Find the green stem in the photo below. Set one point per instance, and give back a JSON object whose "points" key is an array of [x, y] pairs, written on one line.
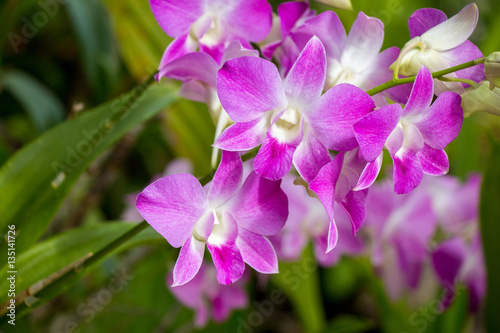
{"points": [[396, 82], [457, 79]]}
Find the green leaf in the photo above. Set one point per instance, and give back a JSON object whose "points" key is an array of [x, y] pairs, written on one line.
{"points": [[99, 50], [350, 324], [43, 106], [35, 181], [142, 41], [191, 132], [490, 229], [300, 282], [46, 260]]}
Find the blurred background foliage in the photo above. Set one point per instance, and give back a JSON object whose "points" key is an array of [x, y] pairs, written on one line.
{"points": [[80, 54]]}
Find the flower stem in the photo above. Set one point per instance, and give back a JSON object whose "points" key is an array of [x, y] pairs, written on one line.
{"points": [[396, 82]]}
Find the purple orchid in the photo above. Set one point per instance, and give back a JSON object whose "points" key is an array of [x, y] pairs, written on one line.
{"points": [[352, 58], [307, 219], [457, 261], [414, 135], [291, 119], [401, 227], [231, 218], [207, 297], [439, 43], [210, 25], [345, 181]]}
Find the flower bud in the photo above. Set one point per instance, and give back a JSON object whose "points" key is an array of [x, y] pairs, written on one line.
{"points": [[481, 99], [492, 69], [340, 4]]}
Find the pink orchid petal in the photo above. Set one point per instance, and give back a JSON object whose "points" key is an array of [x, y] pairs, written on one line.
{"points": [[229, 298], [179, 47], [442, 122], [310, 156], [248, 87], [333, 236], [192, 66], [289, 13], [465, 52], [274, 159], [407, 172], [250, 19], [354, 205], [395, 140], [421, 93], [172, 205], [176, 17], [236, 50], [325, 182], [243, 136], [227, 179], [257, 251], [189, 261], [372, 130], [448, 258], [424, 19], [369, 173], [434, 161], [228, 262], [304, 83], [333, 115], [363, 42], [261, 206]]}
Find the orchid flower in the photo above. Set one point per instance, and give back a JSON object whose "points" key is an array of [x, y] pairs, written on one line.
{"points": [[344, 181], [401, 227], [352, 58], [290, 118], [414, 135], [439, 43], [231, 218], [210, 25], [456, 261], [207, 297], [307, 219]]}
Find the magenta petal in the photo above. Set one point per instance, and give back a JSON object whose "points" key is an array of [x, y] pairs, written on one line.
{"points": [[442, 122], [354, 205], [189, 261], [326, 180], [333, 236], [261, 206], [289, 13], [179, 47], [248, 87], [172, 205], [332, 117], [227, 179], [192, 66], [373, 130], [243, 136], [257, 251], [250, 19], [407, 172], [447, 260], [465, 52], [369, 173], [310, 156], [175, 17], [424, 19], [228, 262], [434, 161], [421, 94], [274, 159], [304, 83]]}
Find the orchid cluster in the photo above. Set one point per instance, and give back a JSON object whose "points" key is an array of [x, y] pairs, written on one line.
{"points": [[318, 111]]}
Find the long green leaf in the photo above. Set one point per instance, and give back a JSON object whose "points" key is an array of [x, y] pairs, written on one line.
{"points": [[47, 260], [43, 106], [490, 229], [35, 181]]}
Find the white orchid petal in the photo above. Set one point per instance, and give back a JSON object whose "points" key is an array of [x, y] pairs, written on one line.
{"points": [[454, 31]]}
